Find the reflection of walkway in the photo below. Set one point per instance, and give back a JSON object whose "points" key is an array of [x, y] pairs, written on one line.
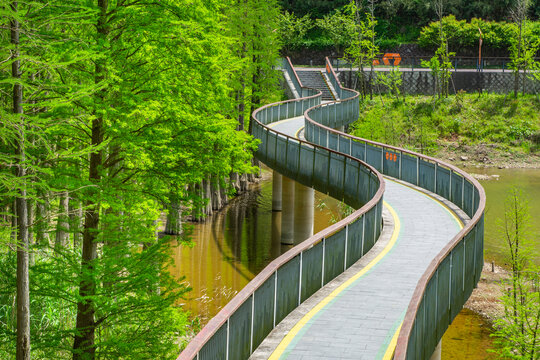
{"points": [[360, 321]]}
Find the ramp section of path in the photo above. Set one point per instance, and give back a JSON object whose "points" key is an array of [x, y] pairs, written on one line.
{"points": [[361, 320]]}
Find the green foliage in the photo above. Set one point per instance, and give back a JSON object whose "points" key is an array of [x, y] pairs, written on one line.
{"points": [[440, 66], [465, 34], [339, 26], [391, 80], [125, 108], [421, 123], [292, 29], [517, 333]]}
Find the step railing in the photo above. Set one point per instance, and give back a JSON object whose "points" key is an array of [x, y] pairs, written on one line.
{"points": [[454, 272], [238, 329]]}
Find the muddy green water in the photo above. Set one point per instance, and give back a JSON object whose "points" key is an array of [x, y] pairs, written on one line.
{"points": [[233, 245], [528, 180]]}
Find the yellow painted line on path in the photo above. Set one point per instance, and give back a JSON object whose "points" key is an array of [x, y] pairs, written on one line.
{"points": [[298, 132], [283, 121], [389, 354], [443, 205], [299, 325]]}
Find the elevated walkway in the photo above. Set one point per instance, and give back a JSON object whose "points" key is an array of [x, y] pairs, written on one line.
{"points": [[360, 320], [355, 290], [316, 79]]}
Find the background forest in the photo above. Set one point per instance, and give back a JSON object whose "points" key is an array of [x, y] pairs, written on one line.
{"points": [[403, 21], [114, 113], [119, 119]]}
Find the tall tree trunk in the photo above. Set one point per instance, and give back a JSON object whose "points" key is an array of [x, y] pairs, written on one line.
{"points": [[216, 195], [516, 72], [62, 224], [13, 235], [23, 287], [173, 226], [31, 240], [84, 343], [42, 222], [75, 221]]}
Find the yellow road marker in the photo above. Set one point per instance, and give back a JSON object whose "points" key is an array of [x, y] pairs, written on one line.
{"points": [[306, 318], [298, 132], [389, 354], [443, 205]]}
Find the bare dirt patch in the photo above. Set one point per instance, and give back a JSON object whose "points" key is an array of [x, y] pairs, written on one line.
{"points": [[485, 299]]}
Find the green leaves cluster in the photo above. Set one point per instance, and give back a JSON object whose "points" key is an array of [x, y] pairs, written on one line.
{"points": [[292, 29], [127, 106], [462, 33], [517, 333]]}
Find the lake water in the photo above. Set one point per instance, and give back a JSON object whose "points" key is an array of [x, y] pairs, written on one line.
{"points": [[232, 246]]}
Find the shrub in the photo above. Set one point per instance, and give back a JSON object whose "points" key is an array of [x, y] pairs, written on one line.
{"points": [[465, 34]]}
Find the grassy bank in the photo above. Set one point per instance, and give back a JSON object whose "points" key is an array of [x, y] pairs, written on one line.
{"points": [[491, 129]]}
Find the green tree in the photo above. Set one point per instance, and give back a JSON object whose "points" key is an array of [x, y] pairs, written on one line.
{"points": [[518, 332], [292, 29], [523, 45], [126, 104], [339, 26], [441, 64], [362, 50]]}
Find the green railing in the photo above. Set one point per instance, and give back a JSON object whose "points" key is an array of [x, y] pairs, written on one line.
{"points": [[286, 282], [452, 275], [337, 163]]}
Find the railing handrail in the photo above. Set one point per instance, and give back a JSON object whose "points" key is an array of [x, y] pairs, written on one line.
{"points": [[224, 314], [408, 322]]}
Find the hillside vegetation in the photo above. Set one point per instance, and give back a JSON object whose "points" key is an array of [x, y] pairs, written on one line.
{"points": [[479, 126]]}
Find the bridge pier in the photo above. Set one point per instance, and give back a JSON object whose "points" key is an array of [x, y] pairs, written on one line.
{"points": [[437, 353], [287, 212], [276, 234], [276, 191], [304, 198]]}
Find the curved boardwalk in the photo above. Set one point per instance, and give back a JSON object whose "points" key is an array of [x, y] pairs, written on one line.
{"points": [[360, 321], [317, 301]]}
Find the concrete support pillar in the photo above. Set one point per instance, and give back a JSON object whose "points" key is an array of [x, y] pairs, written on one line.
{"points": [[276, 234], [287, 214], [437, 353], [276, 191], [304, 198]]}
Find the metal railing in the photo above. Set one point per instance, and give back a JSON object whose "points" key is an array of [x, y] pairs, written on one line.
{"points": [[293, 277], [458, 63], [452, 275], [336, 163]]}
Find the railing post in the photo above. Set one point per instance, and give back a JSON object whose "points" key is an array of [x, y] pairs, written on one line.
{"points": [[275, 298], [417, 171], [323, 256], [300, 280], [227, 349], [450, 284], [435, 185], [450, 196], [252, 321], [346, 243], [382, 159], [400, 164], [464, 261], [462, 192], [363, 233], [328, 173]]}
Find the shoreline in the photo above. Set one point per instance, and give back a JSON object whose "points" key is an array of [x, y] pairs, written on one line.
{"points": [[485, 299], [486, 156]]}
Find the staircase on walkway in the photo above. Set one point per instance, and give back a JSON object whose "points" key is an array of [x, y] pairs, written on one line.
{"points": [[315, 79]]}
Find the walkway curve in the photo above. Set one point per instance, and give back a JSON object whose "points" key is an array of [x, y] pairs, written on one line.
{"points": [[334, 162]]}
